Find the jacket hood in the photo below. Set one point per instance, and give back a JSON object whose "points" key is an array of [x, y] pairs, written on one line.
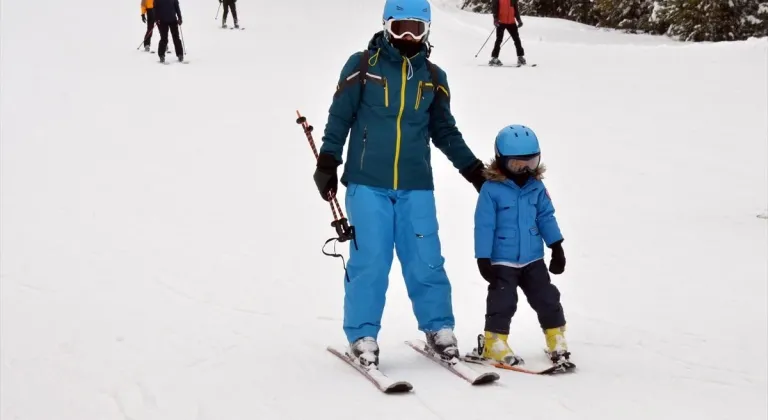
{"points": [[381, 46], [493, 173]]}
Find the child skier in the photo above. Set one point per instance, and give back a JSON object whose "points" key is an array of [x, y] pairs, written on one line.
{"points": [[514, 217]]}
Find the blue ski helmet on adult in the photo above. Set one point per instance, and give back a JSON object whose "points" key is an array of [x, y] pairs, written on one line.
{"points": [[516, 140], [407, 9]]}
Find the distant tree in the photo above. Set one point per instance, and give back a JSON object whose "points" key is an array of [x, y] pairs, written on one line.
{"points": [[704, 20], [689, 20], [630, 15]]}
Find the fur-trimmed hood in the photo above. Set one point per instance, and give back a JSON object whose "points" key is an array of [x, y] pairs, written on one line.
{"points": [[493, 173]]}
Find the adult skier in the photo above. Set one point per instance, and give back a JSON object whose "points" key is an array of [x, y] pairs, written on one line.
{"points": [[168, 15], [148, 17], [506, 17], [388, 175], [227, 5]]}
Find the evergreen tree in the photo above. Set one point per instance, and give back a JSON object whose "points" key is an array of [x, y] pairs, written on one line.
{"points": [[631, 15], [704, 20]]}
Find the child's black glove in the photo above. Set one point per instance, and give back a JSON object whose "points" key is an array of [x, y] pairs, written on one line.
{"points": [[484, 265], [557, 264]]}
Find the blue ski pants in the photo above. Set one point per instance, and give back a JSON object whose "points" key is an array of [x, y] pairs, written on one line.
{"points": [[406, 221]]}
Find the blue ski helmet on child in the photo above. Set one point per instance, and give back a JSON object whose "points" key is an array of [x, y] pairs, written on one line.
{"points": [[407, 9], [517, 150], [403, 18], [516, 140]]}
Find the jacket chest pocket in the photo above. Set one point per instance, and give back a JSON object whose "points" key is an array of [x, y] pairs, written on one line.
{"points": [[377, 90], [425, 93], [506, 215]]}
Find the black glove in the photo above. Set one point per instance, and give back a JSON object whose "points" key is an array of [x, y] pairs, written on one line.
{"points": [[486, 270], [325, 176], [519, 23], [496, 23], [557, 264], [144, 18], [179, 21], [474, 174], [219, 1]]}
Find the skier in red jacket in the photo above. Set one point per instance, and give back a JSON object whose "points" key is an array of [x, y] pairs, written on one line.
{"points": [[506, 16]]}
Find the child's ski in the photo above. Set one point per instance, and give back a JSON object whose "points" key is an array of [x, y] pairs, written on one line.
{"points": [[563, 367], [384, 383], [456, 366]]}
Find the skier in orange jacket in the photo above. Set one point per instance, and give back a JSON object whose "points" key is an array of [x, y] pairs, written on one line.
{"points": [[506, 17], [148, 17]]}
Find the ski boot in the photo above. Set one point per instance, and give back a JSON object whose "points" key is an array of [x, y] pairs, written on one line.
{"points": [[162, 59], [146, 48], [365, 351], [495, 62], [493, 346], [223, 24], [557, 348], [521, 61], [180, 57], [443, 343], [237, 26]]}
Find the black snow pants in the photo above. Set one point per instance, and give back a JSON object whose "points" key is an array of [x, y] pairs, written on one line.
{"points": [[164, 27], [150, 27], [227, 5], [542, 295], [514, 33]]}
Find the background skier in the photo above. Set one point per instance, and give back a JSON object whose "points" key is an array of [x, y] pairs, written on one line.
{"points": [[148, 17], [168, 15], [390, 199], [505, 15], [227, 5]]}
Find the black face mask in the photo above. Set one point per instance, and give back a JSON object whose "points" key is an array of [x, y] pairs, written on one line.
{"points": [[406, 48], [519, 179]]}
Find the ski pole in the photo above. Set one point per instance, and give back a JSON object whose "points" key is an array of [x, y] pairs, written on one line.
{"points": [[486, 41], [217, 12], [340, 223], [183, 47], [146, 36], [506, 41]]}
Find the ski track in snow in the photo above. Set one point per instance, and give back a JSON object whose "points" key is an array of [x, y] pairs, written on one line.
{"points": [[161, 234]]}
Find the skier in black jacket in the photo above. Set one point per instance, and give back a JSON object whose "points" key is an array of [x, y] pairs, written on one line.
{"points": [[168, 15], [229, 4]]}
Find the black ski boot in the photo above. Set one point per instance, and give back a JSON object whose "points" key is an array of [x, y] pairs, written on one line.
{"points": [[162, 59], [443, 343], [237, 26], [521, 61], [180, 57], [495, 62], [366, 351]]}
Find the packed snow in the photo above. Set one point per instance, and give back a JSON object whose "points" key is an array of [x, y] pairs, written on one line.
{"points": [[161, 233]]}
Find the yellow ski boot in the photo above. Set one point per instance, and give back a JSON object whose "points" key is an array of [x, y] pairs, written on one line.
{"points": [[557, 347], [495, 347]]}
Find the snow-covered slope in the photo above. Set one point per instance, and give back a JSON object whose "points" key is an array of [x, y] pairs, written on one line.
{"points": [[161, 233]]}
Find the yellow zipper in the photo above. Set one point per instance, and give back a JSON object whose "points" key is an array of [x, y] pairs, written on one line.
{"points": [[386, 93], [399, 119], [418, 96]]}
